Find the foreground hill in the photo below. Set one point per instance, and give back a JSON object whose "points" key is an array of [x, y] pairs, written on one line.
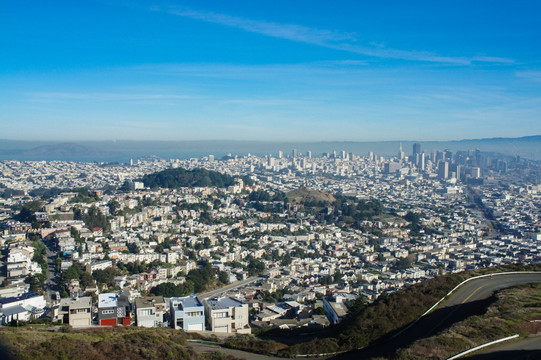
{"points": [[103, 343], [373, 325]]}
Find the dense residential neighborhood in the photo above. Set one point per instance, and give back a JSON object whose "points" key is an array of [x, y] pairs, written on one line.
{"points": [[284, 242]]}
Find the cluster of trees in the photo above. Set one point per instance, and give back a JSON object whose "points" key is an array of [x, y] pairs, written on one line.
{"points": [[254, 267], [7, 193], [137, 267], [201, 278], [84, 195], [197, 280], [415, 224], [169, 289], [27, 213], [94, 218], [40, 256], [74, 272], [106, 277], [350, 210], [265, 196], [47, 193], [273, 297], [179, 177]]}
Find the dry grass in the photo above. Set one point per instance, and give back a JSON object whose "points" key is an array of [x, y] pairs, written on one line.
{"points": [[107, 344]]}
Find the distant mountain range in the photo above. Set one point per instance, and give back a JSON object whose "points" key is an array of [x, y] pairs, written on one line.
{"points": [[122, 150]]}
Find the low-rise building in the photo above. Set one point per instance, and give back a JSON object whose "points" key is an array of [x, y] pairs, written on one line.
{"points": [[25, 307], [336, 307], [227, 314], [150, 311], [113, 310], [187, 313], [76, 312]]}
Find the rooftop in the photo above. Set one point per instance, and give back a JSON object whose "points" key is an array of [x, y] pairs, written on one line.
{"points": [[223, 303], [187, 302], [149, 301], [24, 296], [107, 300]]}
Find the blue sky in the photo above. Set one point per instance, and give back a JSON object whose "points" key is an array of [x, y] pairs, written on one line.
{"points": [[269, 70]]}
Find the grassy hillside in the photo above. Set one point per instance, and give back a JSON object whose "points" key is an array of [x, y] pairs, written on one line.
{"points": [[389, 313], [309, 196], [103, 343], [510, 314]]}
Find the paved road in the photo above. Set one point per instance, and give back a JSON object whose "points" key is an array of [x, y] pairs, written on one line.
{"points": [[470, 299], [529, 348], [231, 287], [50, 284], [209, 348], [234, 286]]}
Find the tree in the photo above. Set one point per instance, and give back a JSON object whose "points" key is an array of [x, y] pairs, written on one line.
{"points": [[286, 260], [114, 207], [255, 266], [35, 281], [170, 289], [106, 277], [403, 264], [223, 277], [87, 280], [75, 234]]}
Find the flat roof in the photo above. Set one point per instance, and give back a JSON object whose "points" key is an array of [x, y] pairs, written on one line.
{"points": [[24, 296], [107, 300], [188, 301], [148, 301], [223, 303]]}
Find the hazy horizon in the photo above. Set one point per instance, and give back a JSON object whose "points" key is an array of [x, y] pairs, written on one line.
{"points": [[123, 150]]}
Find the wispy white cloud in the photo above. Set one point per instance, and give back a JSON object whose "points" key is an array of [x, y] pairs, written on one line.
{"points": [[62, 96], [530, 75], [265, 102], [325, 38]]}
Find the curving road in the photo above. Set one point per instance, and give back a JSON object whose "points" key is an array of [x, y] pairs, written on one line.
{"points": [[471, 298], [529, 348]]}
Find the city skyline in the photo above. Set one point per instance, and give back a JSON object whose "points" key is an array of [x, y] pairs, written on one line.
{"points": [[275, 71]]}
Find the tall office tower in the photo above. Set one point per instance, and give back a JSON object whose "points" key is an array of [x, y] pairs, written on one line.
{"points": [[443, 170], [334, 154], [344, 154], [280, 154], [309, 154], [400, 153], [422, 164], [371, 156], [351, 156], [416, 149], [458, 172], [294, 153]]}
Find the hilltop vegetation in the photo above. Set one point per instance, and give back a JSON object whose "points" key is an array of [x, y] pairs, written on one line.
{"points": [[179, 177], [310, 197]]}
